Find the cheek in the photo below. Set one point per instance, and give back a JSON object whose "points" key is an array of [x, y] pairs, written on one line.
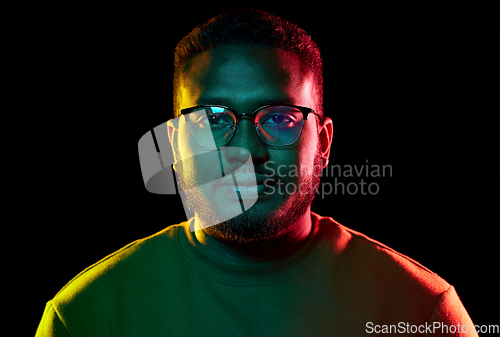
{"points": [[295, 164], [297, 161], [197, 164], [185, 149], [308, 146]]}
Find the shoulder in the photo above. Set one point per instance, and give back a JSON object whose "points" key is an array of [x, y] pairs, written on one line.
{"points": [[122, 266], [378, 263]]}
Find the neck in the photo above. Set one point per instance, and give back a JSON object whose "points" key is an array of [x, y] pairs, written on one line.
{"points": [[259, 251]]}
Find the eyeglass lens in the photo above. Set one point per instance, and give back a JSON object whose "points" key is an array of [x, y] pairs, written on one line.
{"points": [[275, 125]]}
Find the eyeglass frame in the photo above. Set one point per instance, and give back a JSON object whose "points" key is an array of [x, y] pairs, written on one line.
{"points": [[305, 113]]}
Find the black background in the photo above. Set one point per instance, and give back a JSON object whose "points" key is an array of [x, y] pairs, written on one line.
{"points": [[413, 86]]}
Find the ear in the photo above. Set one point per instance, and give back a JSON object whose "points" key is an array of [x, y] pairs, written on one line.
{"points": [[325, 138], [173, 135]]}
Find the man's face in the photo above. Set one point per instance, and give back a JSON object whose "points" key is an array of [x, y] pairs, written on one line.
{"points": [[245, 78]]}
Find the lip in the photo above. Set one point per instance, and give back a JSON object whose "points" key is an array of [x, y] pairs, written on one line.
{"points": [[248, 185]]}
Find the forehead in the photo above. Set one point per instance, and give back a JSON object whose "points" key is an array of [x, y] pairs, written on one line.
{"points": [[245, 76]]}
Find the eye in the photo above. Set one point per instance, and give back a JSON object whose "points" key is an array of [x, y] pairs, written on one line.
{"points": [[214, 119], [217, 120], [279, 120]]}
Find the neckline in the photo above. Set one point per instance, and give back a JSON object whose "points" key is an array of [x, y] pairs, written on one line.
{"points": [[258, 273]]}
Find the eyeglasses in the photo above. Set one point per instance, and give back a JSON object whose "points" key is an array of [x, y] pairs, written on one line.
{"points": [[276, 125]]}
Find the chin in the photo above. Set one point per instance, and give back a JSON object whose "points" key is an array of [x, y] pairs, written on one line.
{"points": [[255, 226], [247, 227]]}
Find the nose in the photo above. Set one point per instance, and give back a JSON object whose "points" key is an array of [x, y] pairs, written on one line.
{"points": [[246, 143]]}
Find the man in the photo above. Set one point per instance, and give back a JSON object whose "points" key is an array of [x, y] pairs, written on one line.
{"points": [[249, 139]]}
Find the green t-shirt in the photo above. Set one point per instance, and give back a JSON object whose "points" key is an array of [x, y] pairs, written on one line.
{"points": [[341, 283]]}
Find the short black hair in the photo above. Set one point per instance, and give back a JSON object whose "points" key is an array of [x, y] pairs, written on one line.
{"points": [[249, 27]]}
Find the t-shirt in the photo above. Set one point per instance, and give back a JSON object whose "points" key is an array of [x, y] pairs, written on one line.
{"points": [[340, 283]]}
